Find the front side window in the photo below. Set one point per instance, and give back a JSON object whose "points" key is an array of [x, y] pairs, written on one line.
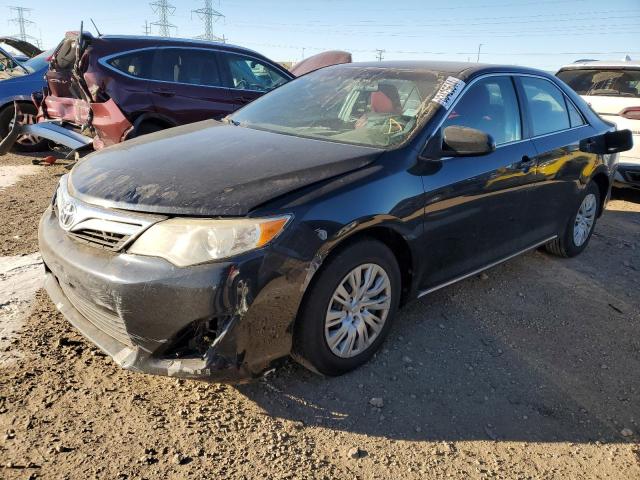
{"points": [[249, 74], [602, 82], [188, 66], [370, 106], [546, 105], [490, 105], [136, 64]]}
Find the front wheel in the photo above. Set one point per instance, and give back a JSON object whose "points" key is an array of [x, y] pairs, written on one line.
{"points": [[579, 229], [348, 309]]}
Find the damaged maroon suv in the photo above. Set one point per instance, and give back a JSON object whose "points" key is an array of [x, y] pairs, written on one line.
{"points": [[118, 87], [104, 90]]}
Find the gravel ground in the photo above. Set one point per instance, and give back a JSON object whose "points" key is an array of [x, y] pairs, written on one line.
{"points": [[531, 370]]}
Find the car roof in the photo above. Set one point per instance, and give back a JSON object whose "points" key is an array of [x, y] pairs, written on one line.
{"points": [[178, 41], [603, 64], [461, 70]]}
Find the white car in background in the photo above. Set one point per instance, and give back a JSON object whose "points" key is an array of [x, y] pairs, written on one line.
{"points": [[612, 89]]}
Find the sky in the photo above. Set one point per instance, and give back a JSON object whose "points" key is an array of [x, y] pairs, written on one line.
{"points": [[543, 34]]}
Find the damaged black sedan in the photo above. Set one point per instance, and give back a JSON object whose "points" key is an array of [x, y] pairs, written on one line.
{"points": [[299, 225]]}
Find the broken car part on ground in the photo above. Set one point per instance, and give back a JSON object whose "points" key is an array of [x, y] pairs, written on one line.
{"points": [[280, 234]]}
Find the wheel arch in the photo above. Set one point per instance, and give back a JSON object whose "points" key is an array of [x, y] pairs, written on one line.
{"points": [[602, 181], [392, 239]]}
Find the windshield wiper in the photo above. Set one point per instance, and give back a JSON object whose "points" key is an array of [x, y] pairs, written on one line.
{"points": [[229, 121]]}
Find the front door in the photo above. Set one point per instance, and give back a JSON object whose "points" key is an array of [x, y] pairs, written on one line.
{"points": [[249, 78], [477, 208]]}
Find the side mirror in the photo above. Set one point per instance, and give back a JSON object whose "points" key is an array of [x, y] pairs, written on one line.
{"points": [[460, 141], [610, 142]]}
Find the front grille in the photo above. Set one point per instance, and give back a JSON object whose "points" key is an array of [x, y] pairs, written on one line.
{"points": [[102, 318], [109, 240]]}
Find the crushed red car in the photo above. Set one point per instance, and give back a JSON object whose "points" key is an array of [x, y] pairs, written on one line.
{"points": [[106, 89]]}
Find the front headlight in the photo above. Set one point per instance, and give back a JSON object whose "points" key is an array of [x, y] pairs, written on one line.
{"points": [[190, 241]]}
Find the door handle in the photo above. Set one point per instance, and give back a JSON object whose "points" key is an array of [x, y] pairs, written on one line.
{"points": [[164, 93], [526, 162]]}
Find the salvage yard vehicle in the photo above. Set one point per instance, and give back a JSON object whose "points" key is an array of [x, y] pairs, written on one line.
{"points": [[20, 76], [612, 89], [107, 89], [300, 224]]}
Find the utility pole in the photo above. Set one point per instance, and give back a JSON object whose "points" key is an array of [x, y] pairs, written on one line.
{"points": [[147, 28], [303, 49], [479, 47], [21, 20], [380, 54], [208, 15], [163, 8]]}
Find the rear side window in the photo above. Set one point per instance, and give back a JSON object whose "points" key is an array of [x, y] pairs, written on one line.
{"points": [[136, 64], [574, 116], [546, 105], [192, 67], [490, 105], [608, 83], [250, 74]]}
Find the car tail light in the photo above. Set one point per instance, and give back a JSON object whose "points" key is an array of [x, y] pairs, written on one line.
{"points": [[631, 113]]}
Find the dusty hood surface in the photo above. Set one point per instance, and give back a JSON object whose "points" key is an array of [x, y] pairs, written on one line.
{"points": [[209, 168]]}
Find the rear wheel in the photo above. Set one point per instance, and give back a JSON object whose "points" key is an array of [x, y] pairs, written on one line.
{"points": [[24, 143], [348, 309], [147, 127], [577, 233]]}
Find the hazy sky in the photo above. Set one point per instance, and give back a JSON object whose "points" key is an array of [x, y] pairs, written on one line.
{"points": [[543, 34]]}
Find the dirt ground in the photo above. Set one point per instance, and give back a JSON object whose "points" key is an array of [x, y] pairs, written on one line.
{"points": [[531, 370]]}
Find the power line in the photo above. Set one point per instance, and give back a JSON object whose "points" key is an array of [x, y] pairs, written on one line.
{"points": [[22, 22], [209, 15], [163, 8]]}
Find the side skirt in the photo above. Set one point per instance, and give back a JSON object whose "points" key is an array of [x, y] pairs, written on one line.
{"points": [[481, 269]]}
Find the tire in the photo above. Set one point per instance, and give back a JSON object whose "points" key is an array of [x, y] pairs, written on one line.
{"points": [[569, 243], [146, 128], [23, 144], [311, 336]]}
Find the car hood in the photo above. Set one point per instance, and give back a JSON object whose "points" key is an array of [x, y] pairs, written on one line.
{"points": [[209, 169]]}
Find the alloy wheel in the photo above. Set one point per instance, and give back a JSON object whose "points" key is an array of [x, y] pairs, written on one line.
{"points": [[28, 139], [358, 310], [584, 219]]}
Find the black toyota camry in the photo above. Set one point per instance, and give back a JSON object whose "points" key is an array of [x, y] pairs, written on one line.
{"points": [[303, 222]]}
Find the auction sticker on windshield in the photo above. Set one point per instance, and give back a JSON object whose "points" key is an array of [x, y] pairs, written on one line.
{"points": [[449, 91]]}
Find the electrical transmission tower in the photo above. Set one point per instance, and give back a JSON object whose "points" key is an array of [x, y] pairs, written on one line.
{"points": [[209, 16], [163, 8], [147, 28], [380, 54], [21, 20]]}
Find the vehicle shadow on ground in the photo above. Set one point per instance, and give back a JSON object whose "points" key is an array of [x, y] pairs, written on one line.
{"points": [[538, 350]]}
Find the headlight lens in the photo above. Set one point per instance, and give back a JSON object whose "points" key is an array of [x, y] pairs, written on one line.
{"points": [[190, 241]]}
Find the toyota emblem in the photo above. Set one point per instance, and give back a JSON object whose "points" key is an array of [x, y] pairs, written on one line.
{"points": [[67, 215]]}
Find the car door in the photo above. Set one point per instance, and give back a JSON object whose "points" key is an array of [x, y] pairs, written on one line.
{"points": [[477, 207], [130, 88], [186, 85], [249, 78], [557, 127]]}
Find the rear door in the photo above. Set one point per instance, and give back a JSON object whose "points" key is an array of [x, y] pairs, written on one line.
{"points": [[477, 209], [249, 78], [557, 126], [186, 85]]}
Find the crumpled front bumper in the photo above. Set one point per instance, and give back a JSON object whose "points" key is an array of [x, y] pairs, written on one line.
{"points": [[137, 308]]}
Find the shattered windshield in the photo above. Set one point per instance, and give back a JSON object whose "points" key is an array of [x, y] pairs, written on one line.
{"points": [[371, 106]]}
